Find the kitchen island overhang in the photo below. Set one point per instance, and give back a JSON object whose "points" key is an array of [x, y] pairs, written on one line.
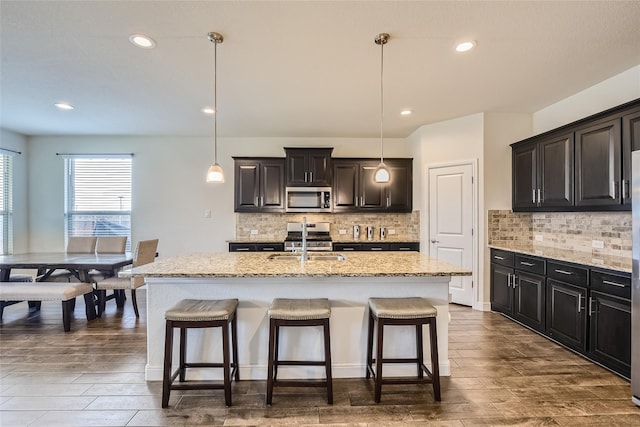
{"points": [[255, 281]]}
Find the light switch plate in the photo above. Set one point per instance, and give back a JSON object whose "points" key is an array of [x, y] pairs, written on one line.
{"points": [[391, 231], [207, 213], [538, 237], [254, 232], [342, 231], [598, 244]]}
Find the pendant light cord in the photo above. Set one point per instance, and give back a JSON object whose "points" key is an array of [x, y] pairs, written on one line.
{"points": [[215, 102], [381, 99]]}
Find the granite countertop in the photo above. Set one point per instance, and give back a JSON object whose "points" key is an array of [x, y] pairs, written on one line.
{"points": [[592, 259], [392, 239], [257, 264]]}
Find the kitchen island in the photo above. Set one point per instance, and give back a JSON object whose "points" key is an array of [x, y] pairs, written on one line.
{"points": [[256, 279]]}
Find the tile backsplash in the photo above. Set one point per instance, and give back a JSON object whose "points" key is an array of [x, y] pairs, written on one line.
{"points": [[565, 230], [273, 226]]}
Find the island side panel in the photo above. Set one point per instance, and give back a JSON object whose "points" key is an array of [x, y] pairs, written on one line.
{"points": [[349, 320]]}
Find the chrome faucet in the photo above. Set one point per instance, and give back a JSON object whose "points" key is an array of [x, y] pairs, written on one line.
{"points": [[303, 258]]}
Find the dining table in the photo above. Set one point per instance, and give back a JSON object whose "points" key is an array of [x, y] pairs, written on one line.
{"points": [[78, 264]]}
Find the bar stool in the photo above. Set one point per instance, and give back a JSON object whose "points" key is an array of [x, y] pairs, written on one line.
{"points": [[190, 313], [403, 311], [298, 312]]}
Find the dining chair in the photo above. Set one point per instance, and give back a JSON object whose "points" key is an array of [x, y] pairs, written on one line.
{"points": [[75, 245], [145, 253], [108, 245], [111, 244]]}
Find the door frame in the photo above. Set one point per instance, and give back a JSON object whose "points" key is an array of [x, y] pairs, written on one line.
{"points": [[424, 218]]}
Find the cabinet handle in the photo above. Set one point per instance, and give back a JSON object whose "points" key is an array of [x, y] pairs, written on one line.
{"points": [[261, 200], [539, 196], [404, 249], [533, 196], [305, 177], [347, 249], [388, 201], [268, 249], [590, 306], [607, 282], [498, 257], [579, 303], [625, 189], [376, 249], [509, 280], [242, 249], [568, 273], [515, 285], [528, 264], [256, 201], [361, 201], [310, 176], [614, 189]]}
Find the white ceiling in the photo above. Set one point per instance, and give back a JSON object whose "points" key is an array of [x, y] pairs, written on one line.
{"points": [[298, 68]]}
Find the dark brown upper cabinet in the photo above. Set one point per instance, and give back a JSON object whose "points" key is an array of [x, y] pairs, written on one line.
{"points": [[583, 166], [543, 173], [259, 184], [598, 164], [308, 167], [354, 189]]}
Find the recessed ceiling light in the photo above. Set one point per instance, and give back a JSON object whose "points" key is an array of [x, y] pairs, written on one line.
{"points": [[406, 112], [64, 106], [466, 46], [142, 41], [208, 110]]}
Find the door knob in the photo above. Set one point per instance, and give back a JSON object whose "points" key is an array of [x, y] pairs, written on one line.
{"points": [[435, 241]]}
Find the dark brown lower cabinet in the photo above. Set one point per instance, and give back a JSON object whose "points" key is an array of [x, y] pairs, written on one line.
{"points": [[610, 331], [586, 309], [566, 314]]}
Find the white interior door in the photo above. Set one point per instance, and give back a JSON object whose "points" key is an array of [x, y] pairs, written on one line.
{"points": [[451, 224]]}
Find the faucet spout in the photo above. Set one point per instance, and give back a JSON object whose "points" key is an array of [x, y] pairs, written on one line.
{"points": [[303, 258]]}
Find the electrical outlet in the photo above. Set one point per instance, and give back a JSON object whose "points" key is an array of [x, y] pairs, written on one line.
{"points": [[207, 213], [342, 231], [538, 237], [391, 231], [598, 244], [254, 232]]}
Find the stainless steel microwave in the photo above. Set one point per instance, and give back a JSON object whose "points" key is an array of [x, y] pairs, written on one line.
{"points": [[308, 199]]}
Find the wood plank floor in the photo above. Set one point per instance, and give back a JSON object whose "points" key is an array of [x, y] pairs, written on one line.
{"points": [[502, 374]]}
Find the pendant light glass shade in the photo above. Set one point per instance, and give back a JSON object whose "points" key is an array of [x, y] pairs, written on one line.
{"points": [[215, 173], [382, 174]]}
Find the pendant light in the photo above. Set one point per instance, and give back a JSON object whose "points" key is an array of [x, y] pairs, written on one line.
{"points": [[382, 174], [215, 173]]}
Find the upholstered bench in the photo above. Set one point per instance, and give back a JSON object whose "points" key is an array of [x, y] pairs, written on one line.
{"points": [[14, 292]]}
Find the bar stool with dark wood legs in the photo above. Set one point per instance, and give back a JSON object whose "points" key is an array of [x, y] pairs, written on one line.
{"points": [[296, 313], [402, 311], [190, 313]]}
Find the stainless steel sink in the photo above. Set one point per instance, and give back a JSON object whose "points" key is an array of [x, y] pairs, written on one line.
{"points": [[312, 257]]}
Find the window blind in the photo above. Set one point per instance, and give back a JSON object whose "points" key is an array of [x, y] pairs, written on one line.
{"points": [[98, 196], [6, 204]]}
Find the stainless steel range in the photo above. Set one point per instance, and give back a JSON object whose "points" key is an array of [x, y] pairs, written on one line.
{"points": [[318, 237]]}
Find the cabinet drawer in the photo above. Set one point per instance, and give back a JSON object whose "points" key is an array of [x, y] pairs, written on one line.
{"points": [[568, 273], [611, 283], [347, 247], [531, 264], [375, 247], [502, 257], [270, 247], [410, 246], [242, 247]]}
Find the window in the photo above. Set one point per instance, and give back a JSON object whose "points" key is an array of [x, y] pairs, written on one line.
{"points": [[98, 196], [6, 204]]}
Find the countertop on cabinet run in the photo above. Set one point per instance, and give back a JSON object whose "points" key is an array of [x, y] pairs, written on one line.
{"points": [[618, 263], [374, 240], [257, 264], [257, 240]]}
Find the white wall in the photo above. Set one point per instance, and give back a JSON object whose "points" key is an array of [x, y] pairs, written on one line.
{"points": [[17, 142], [170, 193], [609, 93]]}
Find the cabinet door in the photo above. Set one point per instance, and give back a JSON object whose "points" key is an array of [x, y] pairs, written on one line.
{"points": [[555, 177], [501, 290], [372, 194], [345, 185], [566, 314], [400, 189], [272, 185], [529, 298], [247, 189], [630, 142], [610, 331], [598, 161], [320, 167], [524, 188], [297, 168]]}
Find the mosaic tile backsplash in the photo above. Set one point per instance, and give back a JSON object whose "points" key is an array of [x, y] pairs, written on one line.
{"points": [[565, 230], [272, 227]]}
